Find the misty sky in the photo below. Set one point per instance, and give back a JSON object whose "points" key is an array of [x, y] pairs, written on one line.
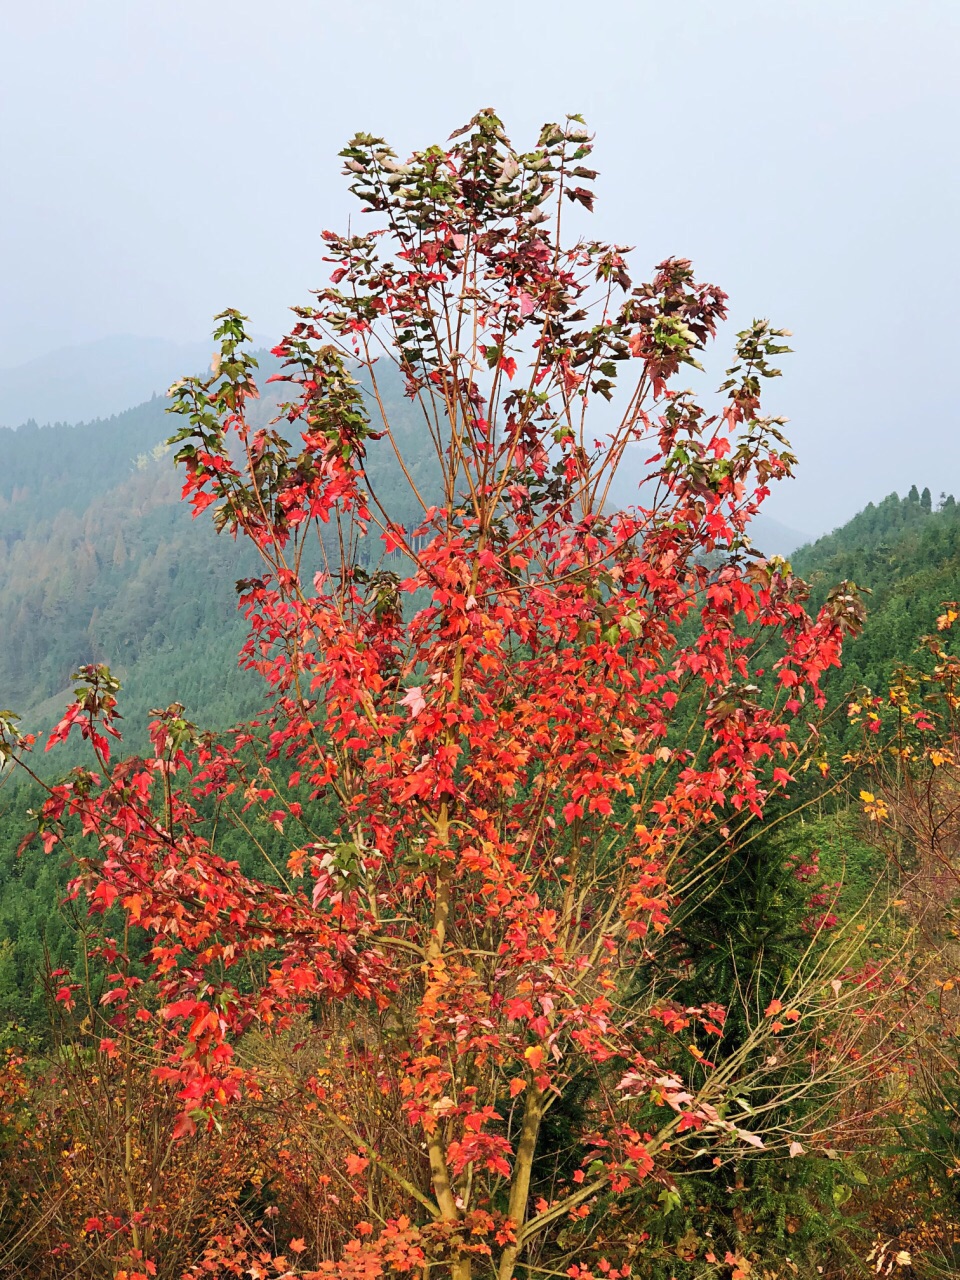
{"points": [[162, 161]]}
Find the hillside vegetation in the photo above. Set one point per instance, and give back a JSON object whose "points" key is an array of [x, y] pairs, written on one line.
{"points": [[100, 562], [906, 553]]}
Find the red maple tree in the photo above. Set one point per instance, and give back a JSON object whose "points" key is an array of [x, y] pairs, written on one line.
{"points": [[499, 761]]}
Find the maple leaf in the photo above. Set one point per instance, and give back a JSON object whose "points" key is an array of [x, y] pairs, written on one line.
{"points": [[184, 1126], [393, 538], [180, 1009], [414, 700]]}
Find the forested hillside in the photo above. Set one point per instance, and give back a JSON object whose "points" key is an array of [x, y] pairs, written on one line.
{"points": [[906, 553], [101, 562]]}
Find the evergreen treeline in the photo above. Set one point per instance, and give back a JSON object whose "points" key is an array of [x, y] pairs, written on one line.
{"points": [[906, 552]]}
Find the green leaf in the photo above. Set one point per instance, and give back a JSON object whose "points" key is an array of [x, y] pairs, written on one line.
{"points": [[670, 1199]]}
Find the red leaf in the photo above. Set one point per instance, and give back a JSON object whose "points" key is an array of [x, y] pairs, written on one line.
{"points": [[185, 1126]]}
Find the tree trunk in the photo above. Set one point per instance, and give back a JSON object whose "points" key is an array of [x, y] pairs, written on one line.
{"points": [[522, 1171]]}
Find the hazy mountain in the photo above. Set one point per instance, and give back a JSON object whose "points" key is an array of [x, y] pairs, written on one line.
{"points": [[101, 562], [773, 538], [95, 379]]}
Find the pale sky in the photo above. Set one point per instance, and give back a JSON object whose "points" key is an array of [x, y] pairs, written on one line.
{"points": [[161, 161]]}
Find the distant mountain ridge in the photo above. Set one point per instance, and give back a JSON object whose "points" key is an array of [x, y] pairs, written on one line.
{"points": [[773, 538], [95, 379]]}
